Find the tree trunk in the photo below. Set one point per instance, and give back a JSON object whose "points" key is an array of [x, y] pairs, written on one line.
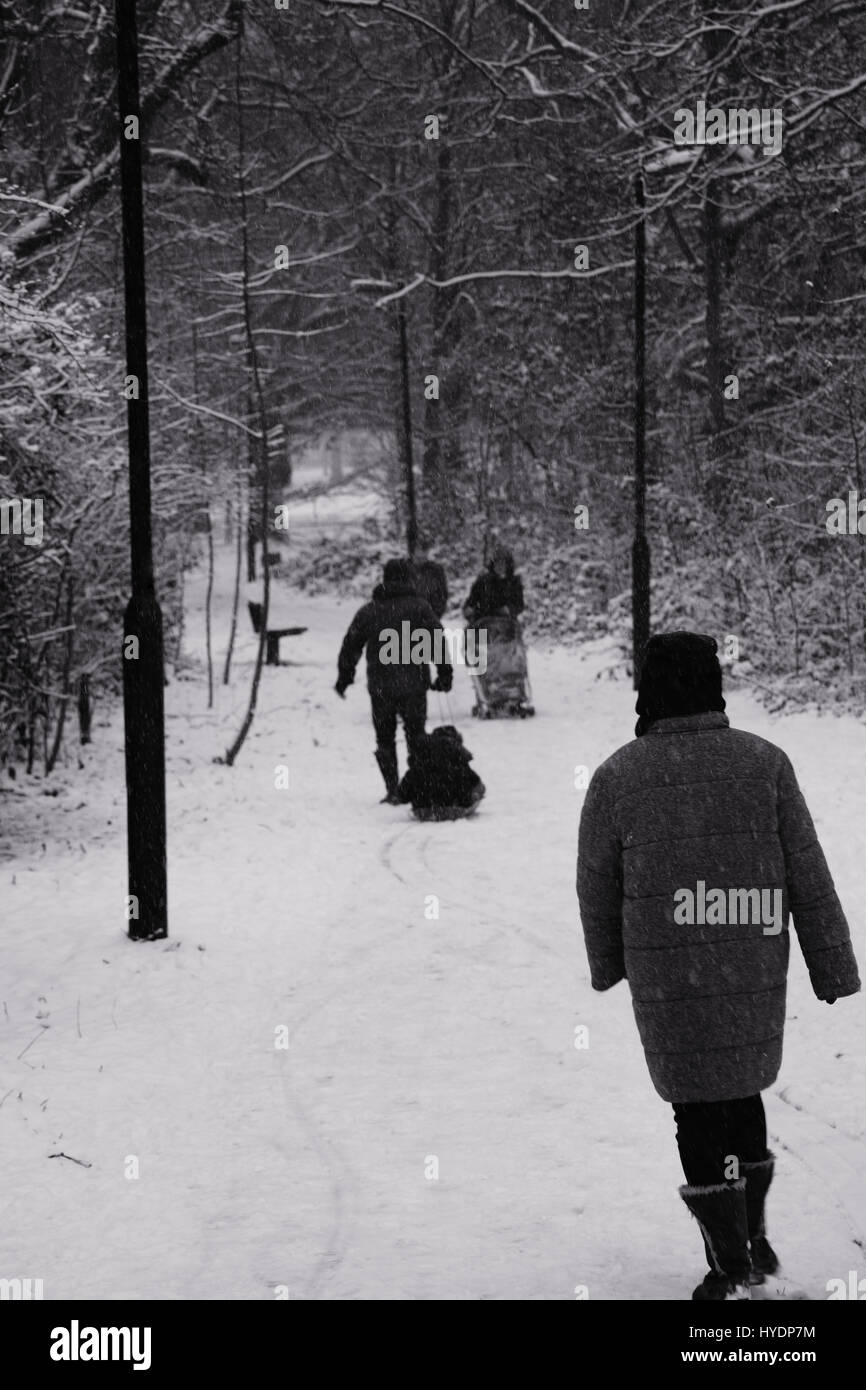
{"points": [[439, 422], [251, 541], [640, 569], [208, 525], [263, 424], [85, 708], [66, 682], [717, 487], [239, 550], [208, 603], [406, 430], [717, 484]]}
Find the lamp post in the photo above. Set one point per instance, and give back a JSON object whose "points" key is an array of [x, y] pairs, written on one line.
{"points": [[142, 657]]}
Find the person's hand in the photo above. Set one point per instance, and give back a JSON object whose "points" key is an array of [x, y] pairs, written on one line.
{"points": [[340, 689], [831, 1000]]}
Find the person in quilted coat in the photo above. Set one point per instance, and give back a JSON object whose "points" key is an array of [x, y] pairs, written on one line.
{"points": [[695, 848]]}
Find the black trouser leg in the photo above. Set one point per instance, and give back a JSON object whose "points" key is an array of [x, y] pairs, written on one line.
{"points": [[710, 1134], [387, 761], [413, 711], [385, 724]]}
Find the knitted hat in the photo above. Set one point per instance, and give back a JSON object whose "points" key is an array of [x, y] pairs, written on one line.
{"points": [[680, 675]]}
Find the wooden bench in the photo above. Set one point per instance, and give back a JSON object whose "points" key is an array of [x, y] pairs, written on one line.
{"points": [[274, 634]]}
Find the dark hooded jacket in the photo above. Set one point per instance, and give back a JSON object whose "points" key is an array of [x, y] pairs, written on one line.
{"points": [[439, 772], [693, 799], [394, 603], [490, 592], [431, 584]]}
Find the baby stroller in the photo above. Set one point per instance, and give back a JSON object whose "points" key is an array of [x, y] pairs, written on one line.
{"points": [[502, 689]]}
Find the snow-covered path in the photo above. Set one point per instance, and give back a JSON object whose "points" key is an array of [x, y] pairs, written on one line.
{"points": [[413, 1042]]}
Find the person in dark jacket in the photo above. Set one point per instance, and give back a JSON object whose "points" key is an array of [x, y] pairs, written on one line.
{"points": [[695, 845], [497, 590], [430, 580], [440, 784], [402, 637]]}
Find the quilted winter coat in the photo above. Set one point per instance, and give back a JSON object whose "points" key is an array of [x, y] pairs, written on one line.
{"points": [[695, 800]]}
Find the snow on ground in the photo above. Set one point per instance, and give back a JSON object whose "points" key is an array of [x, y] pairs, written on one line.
{"points": [[410, 1039]]}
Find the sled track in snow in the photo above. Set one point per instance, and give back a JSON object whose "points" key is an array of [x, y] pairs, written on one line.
{"points": [[417, 845], [477, 909], [295, 1084], [487, 890], [343, 1187], [834, 1158], [385, 852], [821, 1119], [342, 1180]]}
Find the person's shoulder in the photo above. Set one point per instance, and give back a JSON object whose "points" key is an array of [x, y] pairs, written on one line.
{"points": [[754, 749], [608, 778], [617, 763], [366, 612], [759, 749]]}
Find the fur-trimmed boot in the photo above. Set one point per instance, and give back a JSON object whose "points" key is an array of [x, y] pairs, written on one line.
{"points": [[766, 1281], [720, 1211], [758, 1178], [387, 760]]}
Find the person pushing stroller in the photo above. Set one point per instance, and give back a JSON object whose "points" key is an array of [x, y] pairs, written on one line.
{"points": [[496, 655], [497, 590]]}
